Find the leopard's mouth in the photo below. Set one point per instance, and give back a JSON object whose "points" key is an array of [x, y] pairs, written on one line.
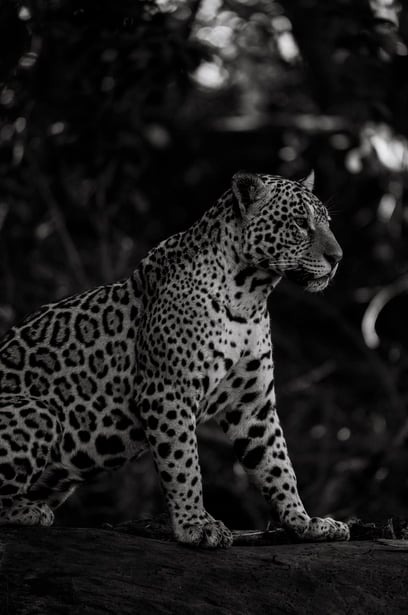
{"points": [[309, 280], [318, 284]]}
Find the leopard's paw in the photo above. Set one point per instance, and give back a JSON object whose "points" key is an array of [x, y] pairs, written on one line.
{"points": [[318, 529], [210, 534], [27, 513]]}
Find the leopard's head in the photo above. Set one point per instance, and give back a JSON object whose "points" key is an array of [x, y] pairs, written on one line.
{"points": [[285, 229]]}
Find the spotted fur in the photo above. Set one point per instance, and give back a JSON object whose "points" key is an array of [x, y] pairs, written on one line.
{"points": [[89, 382]]}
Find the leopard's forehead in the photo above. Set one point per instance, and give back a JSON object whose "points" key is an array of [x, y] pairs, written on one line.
{"points": [[294, 198]]}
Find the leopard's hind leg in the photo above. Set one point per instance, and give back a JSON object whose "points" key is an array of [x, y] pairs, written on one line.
{"points": [[28, 431]]}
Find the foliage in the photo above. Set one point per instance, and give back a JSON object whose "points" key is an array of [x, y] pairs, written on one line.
{"points": [[120, 122]]}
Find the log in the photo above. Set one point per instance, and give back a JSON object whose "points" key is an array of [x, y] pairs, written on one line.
{"points": [[75, 571]]}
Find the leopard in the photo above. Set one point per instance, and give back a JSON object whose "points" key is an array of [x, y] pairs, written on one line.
{"points": [[91, 381]]}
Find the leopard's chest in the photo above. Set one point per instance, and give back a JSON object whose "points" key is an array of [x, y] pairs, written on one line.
{"points": [[234, 341]]}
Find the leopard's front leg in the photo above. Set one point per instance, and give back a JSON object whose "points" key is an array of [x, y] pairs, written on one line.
{"points": [[170, 427], [253, 425]]}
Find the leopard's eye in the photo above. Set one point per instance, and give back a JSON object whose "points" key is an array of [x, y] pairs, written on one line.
{"points": [[302, 223]]}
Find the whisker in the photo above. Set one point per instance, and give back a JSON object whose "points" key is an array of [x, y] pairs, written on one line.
{"points": [[331, 205], [282, 264], [329, 201]]}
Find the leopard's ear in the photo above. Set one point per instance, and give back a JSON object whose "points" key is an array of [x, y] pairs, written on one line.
{"points": [[309, 181], [250, 192]]}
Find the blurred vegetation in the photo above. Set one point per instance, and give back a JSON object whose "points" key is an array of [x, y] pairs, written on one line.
{"points": [[121, 122]]}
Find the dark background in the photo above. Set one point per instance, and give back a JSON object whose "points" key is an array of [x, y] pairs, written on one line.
{"points": [[121, 122]]}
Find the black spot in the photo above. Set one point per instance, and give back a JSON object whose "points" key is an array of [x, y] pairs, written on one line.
{"points": [[254, 457], [123, 423], [234, 318], [73, 420], [69, 443], [233, 417], [264, 411], [109, 445], [206, 383], [222, 398], [31, 424], [7, 470], [164, 449], [250, 383], [271, 440], [145, 406], [152, 422], [276, 471], [247, 398], [243, 275], [151, 389], [212, 409], [256, 431], [253, 365], [228, 364], [181, 478], [270, 387], [215, 305], [82, 460], [165, 476]]}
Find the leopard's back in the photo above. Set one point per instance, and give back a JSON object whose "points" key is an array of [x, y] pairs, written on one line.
{"points": [[90, 334], [74, 361]]}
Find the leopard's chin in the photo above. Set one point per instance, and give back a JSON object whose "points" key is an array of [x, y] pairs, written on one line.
{"points": [[308, 281], [319, 284]]}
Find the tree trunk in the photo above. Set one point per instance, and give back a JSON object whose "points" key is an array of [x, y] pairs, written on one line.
{"points": [[69, 571]]}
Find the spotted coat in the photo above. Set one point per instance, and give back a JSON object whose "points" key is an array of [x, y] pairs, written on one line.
{"points": [[91, 381]]}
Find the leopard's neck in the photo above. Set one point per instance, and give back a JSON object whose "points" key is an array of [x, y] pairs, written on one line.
{"points": [[210, 251]]}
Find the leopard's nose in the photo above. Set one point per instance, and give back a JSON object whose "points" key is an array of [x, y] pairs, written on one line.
{"points": [[334, 255]]}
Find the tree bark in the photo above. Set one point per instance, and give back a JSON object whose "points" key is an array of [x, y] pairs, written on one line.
{"points": [[65, 571]]}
